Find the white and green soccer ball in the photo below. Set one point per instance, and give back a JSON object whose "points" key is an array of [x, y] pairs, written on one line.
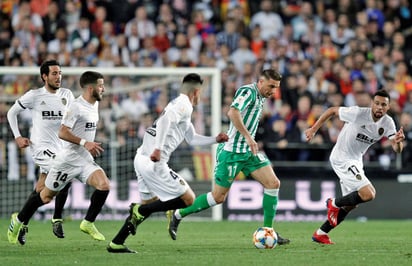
{"points": [[265, 238]]}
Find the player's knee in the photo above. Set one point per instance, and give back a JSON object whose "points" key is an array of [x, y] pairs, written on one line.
{"points": [[101, 184], [276, 184], [189, 197], [367, 196], [46, 198], [103, 187], [220, 199], [189, 201], [272, 184]]}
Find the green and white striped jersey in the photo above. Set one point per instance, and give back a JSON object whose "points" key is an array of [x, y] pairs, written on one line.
{"points": [[250, 104]]}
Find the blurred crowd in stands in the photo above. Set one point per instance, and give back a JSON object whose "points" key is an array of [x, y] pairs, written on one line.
{"points": [[331, 53]]}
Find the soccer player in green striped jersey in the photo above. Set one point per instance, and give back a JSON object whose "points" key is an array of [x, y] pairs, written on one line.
{"points": [[241, 153]]}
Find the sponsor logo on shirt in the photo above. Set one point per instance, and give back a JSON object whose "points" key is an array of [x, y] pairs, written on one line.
{"points": [[52, 115], [365, 139], [90, 126]]}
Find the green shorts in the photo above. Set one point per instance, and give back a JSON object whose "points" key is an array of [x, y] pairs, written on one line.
{"points": [[229, 164]]}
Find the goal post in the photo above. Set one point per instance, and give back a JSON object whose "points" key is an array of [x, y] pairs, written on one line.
{"points": [[195, 162]]}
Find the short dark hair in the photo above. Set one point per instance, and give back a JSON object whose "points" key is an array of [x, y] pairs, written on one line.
{"points": [[45, 67], [89, 77], [382, 93], [193, 77], [272, 74]]}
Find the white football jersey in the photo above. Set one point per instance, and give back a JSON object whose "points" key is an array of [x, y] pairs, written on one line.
{"points": [[47, 112], [360, 132], [179, 111], [82, 117]]}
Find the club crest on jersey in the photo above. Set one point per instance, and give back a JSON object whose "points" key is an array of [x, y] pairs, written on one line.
{"points": [[380, 131], [64, 101], [239, 100], [358, 176]]}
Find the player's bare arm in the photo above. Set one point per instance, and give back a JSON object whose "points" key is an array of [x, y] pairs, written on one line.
{"points": [[397, 141], [236, 118], [310, 132], [66, 134]]}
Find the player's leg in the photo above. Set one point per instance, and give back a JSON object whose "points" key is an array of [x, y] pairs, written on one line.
{"points": [[364, 194], [117, 243], [260, 169], [225, 174], [356, 189], [352, 180], [38, 187], [57, 220], [172, 191], [266, 176], [101, 183], [202, 202], [28, 210], [321, 234]]}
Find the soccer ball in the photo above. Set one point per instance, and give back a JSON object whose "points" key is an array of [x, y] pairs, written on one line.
{"points": [[265, 238]]}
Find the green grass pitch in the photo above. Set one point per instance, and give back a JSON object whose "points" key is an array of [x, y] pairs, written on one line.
{"points": [[213, 243]]}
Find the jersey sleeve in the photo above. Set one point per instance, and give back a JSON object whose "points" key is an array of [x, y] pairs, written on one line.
{"points": [[195, 139], [12, 118], [70, 116], [70, 97], [348, 114], [390, 133], [162, 126], [26, 100], [242, 99]]}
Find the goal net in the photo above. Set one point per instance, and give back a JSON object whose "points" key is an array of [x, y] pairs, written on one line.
{"points": [[133, 98]]}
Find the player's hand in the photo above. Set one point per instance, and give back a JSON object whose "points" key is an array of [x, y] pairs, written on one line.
{"points": [[254, 147], [22, 142], [94, 148], [155, 156], [310, 133], [222, 137], [399, 136]]}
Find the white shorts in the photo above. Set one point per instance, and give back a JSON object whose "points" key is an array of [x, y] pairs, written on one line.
{"points": [[351, 175], [144, 191], [43, 159], [157, 179], [68, 165]]}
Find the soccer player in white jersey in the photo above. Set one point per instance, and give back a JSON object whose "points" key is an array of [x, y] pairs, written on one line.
{"points": [[47, 105], [241, 153], [159, 186], [76, 160], [363, 127]]}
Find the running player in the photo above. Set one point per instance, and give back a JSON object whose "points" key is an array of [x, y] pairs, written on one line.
{"points": [[76, 160], [160, 187], [47, 105], [363, 127], [241, 153]]}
